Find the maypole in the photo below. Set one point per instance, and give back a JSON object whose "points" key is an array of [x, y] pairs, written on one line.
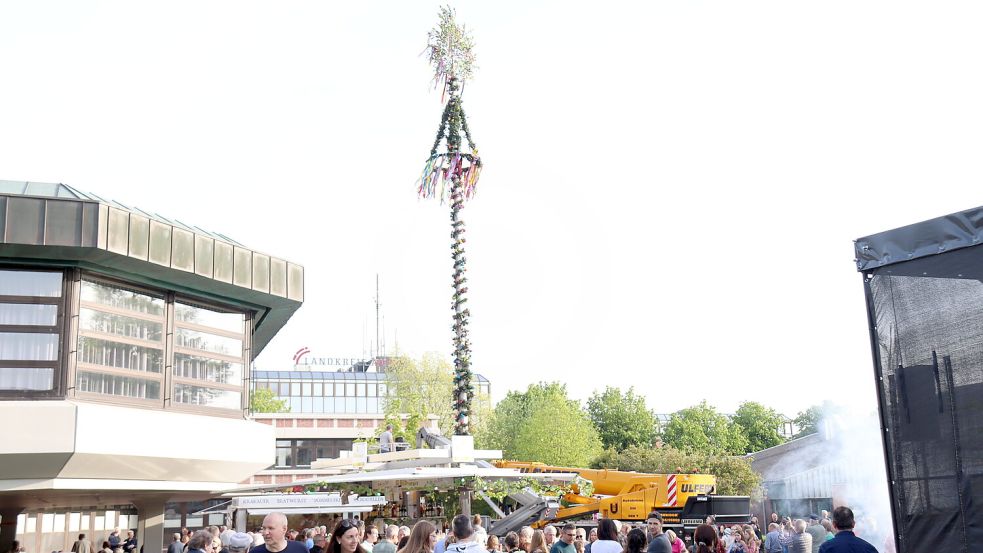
{"points": [[452, 175]]}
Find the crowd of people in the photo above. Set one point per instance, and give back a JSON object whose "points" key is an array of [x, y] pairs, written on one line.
{"points": [[825, 533]]}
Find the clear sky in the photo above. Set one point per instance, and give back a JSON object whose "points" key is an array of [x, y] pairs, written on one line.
{"points": [[670, 191]]}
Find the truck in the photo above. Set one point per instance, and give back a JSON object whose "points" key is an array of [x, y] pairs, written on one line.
{"points": [[684, 500]]}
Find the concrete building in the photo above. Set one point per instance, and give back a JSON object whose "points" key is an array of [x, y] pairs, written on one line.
{"points": [[125, 347]]}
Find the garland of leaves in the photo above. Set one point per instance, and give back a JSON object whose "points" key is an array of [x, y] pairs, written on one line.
{"points": [[500, 489], [454, 175]]}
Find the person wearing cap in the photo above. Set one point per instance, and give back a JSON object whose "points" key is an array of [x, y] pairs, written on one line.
{"points": [[239, 542], [817, 532]]}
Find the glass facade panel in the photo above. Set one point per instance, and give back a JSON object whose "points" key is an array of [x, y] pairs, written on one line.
{"points": [[232, 322], [295, 389], [120, 325], [360, 389], [107, 353], [317, 389], [21, 346], [349, 389], [118, 385], [305, 389], [123, 299], [30, 283], [211, 397], [360, 405], [26, 379], [28, 314], [203, 341], [212, 370]]}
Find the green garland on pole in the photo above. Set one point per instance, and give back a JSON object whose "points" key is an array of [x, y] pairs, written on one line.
{"points": [[453, 175]]}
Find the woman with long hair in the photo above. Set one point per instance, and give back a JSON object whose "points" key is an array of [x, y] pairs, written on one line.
{"points": [[493, 545], [607, 538], [422, 538], [635, 542], [344, 538], [705, 539], [538, 543]]}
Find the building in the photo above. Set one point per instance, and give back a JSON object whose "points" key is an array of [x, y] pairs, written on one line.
{"points": [[328, 411], [125, 347]]}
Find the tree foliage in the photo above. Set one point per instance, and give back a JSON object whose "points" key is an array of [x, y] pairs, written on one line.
{"points": [[759, 425], [702, 429], [263, 400], [808, 421], [734, 474], [543, 424], [621, 418]]}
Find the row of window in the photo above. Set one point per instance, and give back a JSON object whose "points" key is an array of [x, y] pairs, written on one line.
{"points": [[351, 389], [301, 453], [122, 348]]}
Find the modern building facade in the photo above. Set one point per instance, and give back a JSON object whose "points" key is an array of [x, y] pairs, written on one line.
{"points": [[125, 347]]}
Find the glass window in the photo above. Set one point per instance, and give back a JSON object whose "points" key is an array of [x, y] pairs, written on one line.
{"points": [[360, 389], [26, 379], [305, 389], [307, 404], [232, 322], [382, 389], [212, 370], [349, 405], [373, 405], [370, 389], [28, 314], [118, 385], [108, 353], [121, 298], [23, 346], [349, 389], [192, 339], [318, 405], [211, 397], [360, 405], [120, 325], [295, 405], [30, 283], [317, 389], [295, 389]]}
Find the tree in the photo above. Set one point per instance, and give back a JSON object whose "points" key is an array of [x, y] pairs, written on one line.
{"points": [[807, 421], [621, 418], [453, 175], [543, 424], [760, 425], [263, 400], [734, 475], [701, 429]]}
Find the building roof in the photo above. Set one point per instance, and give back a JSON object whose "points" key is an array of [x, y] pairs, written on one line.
{"points": [[791, 458], [942, 234], [56, 224]]}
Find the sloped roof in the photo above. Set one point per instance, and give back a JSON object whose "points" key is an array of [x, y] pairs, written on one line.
{"points": [[790, 458]]}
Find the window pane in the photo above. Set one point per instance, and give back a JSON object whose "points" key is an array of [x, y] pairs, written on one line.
{"points": [[283, 457], [349, 405], [382, 389], [373, 405], [213, 370], [305, 454], [118, 385], [317, 389], [307, 404], [123, 356], [28, 314], [232, 322], [360, 389], [350, 389], [295, 389], [120, 298], [212, 397], [318, 405], [360, 405], [120, 325], [305, 389], [203, 341], [26, 379], [30, 283], [22, 346], [295, 405]]}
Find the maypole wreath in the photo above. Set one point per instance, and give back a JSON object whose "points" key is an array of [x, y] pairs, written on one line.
{"points": [[453, 175]]}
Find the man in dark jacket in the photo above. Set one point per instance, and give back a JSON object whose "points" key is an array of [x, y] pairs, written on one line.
{"points": [[845, 541]]}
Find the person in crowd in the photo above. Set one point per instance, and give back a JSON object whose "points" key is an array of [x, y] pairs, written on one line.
{"points": [[239, 542], [82, 545], [274, 532], [114, 539], [525, 538], [345, 538], [538, 542], [623, 529], [309, 538], [130, 545], [828, 526], [387, 543], [549, 533], [675, 542], [567, 536], [607, 537], [817, 532], [658, 541], [635, 541], [773, 540], [201, 542], [464, 542], [371, 536], [511, 542], [386, 440], [801, 541], [591, 538], [480, 535], [422, 538], [580, 542], [845, 541], [175, 546], [320, 543], [107, 549], [705, 539], [404, 532], [492, 545]]}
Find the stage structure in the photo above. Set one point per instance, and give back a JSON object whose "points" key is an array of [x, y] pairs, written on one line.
{"points": [[924, 292]]}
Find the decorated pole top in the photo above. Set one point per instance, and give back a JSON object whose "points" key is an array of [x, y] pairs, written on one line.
{"points": [[451, 50]]}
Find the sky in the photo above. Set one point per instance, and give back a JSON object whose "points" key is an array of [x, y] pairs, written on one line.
{"points": [[670, 190]]}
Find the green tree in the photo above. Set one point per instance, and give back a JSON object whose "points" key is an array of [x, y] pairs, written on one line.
{"points": [[734, 474], [543, 424], [760, 425], [807, 421], [621, 418], [702, 429], [263, 400]]}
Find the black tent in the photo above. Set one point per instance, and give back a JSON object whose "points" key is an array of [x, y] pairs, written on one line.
{"points": [[924, 290]]}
